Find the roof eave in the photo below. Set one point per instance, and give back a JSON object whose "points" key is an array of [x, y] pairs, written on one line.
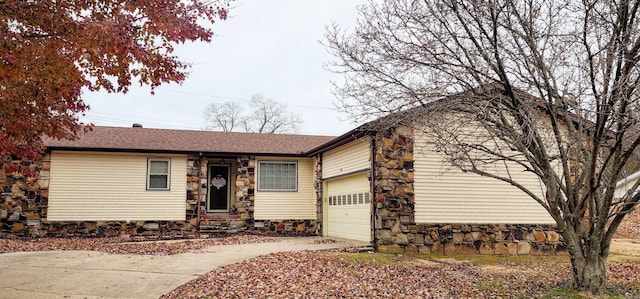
{"points": [[160, 151], [343, 139]]}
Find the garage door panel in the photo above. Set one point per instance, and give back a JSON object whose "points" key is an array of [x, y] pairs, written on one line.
{"points": [[350, 222], [349, 211]]}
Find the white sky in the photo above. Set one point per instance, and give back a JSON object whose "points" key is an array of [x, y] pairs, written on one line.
{"points": [[267, 47]]}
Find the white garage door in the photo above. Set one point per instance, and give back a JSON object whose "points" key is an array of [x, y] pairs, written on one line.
{"points": [[349, 208]]}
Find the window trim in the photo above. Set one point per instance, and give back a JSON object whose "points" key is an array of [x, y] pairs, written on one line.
{"points": [[259, 176], [149, 174]]}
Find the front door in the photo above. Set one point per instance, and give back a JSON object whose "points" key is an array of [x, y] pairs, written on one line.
{"points": [[219, 189]]}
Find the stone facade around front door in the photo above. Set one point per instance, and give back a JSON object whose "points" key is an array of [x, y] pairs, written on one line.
{"points": [[240, 217]]}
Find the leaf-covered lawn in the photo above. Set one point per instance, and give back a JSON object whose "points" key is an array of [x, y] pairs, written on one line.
{"points": [[117, 246], [342, 274], [352, 275], [630, 227]]}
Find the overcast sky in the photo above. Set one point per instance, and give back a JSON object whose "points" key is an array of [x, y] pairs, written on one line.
{"points": [[267, 47]]}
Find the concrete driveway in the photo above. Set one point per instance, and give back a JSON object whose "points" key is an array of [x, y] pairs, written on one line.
{"points": [[91, 274]]}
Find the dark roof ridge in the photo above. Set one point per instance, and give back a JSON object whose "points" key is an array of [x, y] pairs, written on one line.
{"points": [[188, 141], [212, 131]]}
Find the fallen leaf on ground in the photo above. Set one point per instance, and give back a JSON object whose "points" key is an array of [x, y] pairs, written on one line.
{"points": [[116, 246]]}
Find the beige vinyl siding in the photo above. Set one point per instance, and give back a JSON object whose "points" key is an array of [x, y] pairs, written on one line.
{"points": [[447, 195], [282, 205], [349, 158], [91, 186], [623, 186], [351, 184]]}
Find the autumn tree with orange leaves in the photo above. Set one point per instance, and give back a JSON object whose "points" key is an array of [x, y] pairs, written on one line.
{"points": [[51, 51]]}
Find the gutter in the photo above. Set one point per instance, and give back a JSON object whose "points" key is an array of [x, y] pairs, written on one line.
{"points": [[181, 152]]}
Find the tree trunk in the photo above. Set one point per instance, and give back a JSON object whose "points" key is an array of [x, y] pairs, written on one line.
{"points": [[588, 264], [589, 273]]}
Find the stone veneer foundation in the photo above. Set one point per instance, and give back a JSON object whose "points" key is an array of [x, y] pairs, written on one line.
{"points": [[499, 239]]}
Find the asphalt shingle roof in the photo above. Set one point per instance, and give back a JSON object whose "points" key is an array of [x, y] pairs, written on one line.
{"points": [[165, 140]]}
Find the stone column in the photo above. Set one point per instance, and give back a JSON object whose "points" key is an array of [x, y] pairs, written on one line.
{"points": [[394, 196], [24, 197], [245, 183], [317, 184]]}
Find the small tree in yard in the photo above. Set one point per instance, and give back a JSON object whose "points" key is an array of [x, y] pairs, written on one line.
{"points": [[51, 50], [547, 87], [267, 116]]}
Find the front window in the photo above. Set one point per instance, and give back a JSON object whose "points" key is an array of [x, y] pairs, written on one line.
{"points": [[158, 170], [277, 176]]}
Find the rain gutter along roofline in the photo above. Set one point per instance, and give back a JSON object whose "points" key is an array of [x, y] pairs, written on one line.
{"points": [[157, 151]]}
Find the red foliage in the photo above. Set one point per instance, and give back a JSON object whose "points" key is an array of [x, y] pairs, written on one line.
{"points": [[51, 50]]}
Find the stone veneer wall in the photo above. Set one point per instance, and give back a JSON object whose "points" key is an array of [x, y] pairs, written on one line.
{"points": [[244, 204], [397, 232], [24, 200], [499, 239], [288, 227], [194, 180], [317, 185]]}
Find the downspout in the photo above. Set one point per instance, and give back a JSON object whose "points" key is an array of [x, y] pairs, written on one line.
{"points": [[198, 191], [372, 185]]}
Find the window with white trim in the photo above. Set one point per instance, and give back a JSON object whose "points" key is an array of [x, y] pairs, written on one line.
{"points": [[277, 176], [158, 173]]}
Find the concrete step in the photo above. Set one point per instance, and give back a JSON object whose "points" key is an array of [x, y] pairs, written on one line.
{"points": [[217, 231]]}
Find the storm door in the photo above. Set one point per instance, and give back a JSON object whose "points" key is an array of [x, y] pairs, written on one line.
{"points": [[219, 190]]}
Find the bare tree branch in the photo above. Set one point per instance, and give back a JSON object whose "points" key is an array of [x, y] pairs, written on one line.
{"points": [[544, 87], [266, 116], [223, 116], [270, 116]]}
